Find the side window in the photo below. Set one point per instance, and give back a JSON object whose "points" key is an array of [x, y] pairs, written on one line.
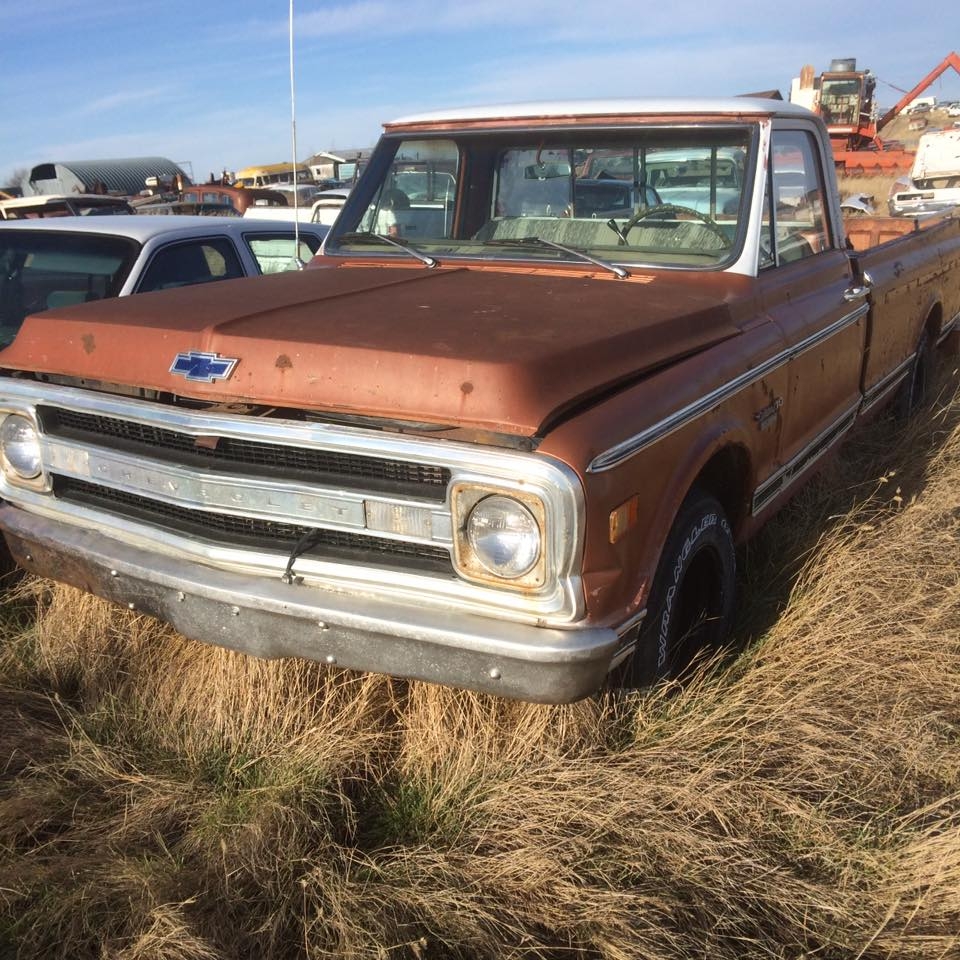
{"points": [[417, 196], [199, 261], [274, 254], [795, 224]]}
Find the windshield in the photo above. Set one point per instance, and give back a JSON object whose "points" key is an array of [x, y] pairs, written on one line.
{"points": [[39, 271], [666, 196]]}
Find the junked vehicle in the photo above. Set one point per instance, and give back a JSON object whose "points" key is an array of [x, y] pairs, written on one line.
{"points": [[324, 209], [51, 205], [934, 181], [492, 437], [270, 174], [52, 263]]}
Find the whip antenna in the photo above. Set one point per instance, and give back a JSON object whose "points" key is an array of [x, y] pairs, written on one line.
{"points": [[293, 136]]}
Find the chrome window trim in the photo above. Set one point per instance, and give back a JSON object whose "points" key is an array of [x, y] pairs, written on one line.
{"points": [[558, 603], [628, 448]]}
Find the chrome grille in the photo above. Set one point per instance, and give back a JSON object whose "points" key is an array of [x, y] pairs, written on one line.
{"points": [[375, 474], [257, 533]]}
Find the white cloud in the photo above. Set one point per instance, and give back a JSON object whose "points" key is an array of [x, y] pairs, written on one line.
{"points": [[135, 98]]}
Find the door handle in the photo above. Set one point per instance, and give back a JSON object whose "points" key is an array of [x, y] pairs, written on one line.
{"points": [[861, 290]]}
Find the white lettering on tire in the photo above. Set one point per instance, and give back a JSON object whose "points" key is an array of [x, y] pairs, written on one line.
{"points": [[708, 521]]}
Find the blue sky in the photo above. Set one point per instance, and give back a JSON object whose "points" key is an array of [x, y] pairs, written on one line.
{"points": [[207, 83]]}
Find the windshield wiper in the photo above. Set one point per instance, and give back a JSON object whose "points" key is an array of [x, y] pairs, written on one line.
{"points": [[393, 241], [620, 273]]}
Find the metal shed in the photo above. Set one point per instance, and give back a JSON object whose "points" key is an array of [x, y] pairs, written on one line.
{"points": [[124, 177]]}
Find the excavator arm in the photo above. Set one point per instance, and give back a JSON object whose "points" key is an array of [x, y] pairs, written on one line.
{"points": [[950, 60]]}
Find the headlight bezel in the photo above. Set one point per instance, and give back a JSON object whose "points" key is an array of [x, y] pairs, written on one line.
{"points": [[465, 496], [11, 471]]}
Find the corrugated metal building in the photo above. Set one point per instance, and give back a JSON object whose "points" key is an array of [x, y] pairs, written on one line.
{"points": [[124, 177]]}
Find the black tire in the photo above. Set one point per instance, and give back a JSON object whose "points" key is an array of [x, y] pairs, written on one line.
{"points": [[915, 390], [692, 598], [9, 571]]}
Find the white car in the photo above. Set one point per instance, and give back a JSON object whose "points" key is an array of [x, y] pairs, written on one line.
{"points": [[75, 205], [65, 260], [324, 209]]}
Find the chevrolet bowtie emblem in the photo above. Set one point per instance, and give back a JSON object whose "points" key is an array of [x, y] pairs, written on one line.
{"points": [[205, 367]]}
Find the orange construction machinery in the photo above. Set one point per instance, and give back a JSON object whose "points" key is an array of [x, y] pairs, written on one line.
{"points": [[844, 97]]}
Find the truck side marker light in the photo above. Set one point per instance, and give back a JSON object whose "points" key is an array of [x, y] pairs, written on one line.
{"points": [[624, 517]]}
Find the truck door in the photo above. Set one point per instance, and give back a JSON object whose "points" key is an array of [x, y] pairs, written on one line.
{"points": [[807, 287]]}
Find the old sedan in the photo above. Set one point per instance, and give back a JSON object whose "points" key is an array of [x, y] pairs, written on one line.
{"points": [[66, 260]]}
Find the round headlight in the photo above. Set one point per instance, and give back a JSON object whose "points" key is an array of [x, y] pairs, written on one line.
{"points": [[21, 446], [504, 536]]}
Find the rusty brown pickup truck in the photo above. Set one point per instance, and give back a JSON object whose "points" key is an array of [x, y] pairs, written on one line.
{"points": [[552, 365]]}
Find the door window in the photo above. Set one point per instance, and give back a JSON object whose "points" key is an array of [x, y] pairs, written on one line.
{"points": [[183, 264], [795, 224], [277, 253]]}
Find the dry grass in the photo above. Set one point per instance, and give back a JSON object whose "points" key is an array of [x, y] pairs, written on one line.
{"points": [[163, 799]]}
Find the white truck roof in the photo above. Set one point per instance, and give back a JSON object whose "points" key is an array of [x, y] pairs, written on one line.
{"points": [[938, 155], [561, 109]]}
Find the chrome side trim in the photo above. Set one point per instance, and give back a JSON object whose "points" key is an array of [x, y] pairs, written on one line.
{"points": [[622, 451], [889, 383], [813, 451], [948, 328], [628, 634]]}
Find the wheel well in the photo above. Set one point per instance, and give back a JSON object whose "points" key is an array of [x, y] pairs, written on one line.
{"points": [[934, 322], [725, 475]]}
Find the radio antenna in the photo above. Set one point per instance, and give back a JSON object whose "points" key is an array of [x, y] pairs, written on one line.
{"points": [[293, 137]]}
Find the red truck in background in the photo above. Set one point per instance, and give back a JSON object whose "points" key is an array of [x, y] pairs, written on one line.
{"points": [[552, 364]]}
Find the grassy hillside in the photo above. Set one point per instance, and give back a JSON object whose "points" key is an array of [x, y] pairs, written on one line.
{"points": [[163, 799]]}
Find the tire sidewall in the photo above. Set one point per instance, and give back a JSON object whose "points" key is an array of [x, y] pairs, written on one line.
{"points": [[916, 387], [701, 525]]}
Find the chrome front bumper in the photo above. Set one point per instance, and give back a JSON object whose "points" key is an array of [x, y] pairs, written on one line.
{"points": [[266, 617]]}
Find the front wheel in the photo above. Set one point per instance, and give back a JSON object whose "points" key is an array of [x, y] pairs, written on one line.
{"points": [[692, 598]]}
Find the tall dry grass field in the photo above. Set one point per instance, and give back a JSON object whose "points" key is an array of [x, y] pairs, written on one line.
{"points": [[164, 800]]}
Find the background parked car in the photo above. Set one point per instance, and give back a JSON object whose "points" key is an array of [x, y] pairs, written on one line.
{"points": [[51, 205], [56, 262]]}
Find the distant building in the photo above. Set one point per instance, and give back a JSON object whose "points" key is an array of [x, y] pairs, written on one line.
{"points": [[124, 177], [341, 165]]}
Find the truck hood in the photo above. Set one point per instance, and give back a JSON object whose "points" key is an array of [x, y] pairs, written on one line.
{"points": [[506, 350]]}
